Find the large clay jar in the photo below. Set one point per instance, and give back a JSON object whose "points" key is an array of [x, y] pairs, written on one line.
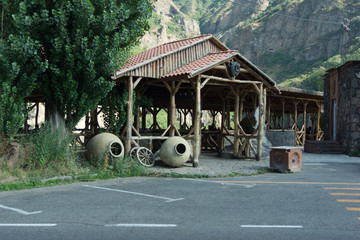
{"points": [[104, 149], [175, 151]]}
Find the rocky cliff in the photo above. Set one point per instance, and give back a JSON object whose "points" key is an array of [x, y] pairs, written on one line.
{"points": [[168, 24], [285, 38]]}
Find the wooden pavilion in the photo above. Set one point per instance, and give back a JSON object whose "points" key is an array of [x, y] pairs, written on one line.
{"points": [[193, 75], [190, 76], [296, 110]]}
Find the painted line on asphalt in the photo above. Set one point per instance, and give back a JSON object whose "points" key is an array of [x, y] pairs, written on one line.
{"points": [[352, 209], [271, 226], [27, 224], [348, 200], [136, 193], [315, 164], [335, 188], [219, 182], [345, 194], [142, 225], [18, 210], [300, 183]]}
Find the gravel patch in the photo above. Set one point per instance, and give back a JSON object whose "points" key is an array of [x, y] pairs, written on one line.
{"points": [[211, 165]]}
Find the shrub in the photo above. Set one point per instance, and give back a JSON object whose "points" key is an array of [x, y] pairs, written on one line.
{"points": [[50, 148]]}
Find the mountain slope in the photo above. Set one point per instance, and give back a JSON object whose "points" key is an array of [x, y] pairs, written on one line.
{"points": [[293, 41]]}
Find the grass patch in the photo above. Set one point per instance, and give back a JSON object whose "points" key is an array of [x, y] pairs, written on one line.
{"points": [[37, 179], [16, 179]]}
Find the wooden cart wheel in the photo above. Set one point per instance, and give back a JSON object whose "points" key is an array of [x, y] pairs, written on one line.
{"points": [[145, 157], [133, 153]]}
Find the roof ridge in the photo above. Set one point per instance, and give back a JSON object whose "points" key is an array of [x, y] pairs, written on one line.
{"points": [[226, 51], [184, 39]]}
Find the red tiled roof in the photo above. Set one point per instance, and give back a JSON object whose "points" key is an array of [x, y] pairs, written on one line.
{"points": [[209, 59], [159, 50]]}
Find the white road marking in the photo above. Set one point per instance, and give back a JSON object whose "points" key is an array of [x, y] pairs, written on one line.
{"points": [[27, 224], [315, 164], [136, 193], [19, 210], [245, 185], [141, 225], [271, 226]]}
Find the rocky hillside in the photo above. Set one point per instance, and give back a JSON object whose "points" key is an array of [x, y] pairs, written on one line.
{"points": [[293, 41], [167, 24]]}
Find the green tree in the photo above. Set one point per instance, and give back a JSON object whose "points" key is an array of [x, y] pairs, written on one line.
{"points": [[18, 55], [80, 43]]}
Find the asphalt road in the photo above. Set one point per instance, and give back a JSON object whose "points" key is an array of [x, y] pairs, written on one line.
{"points": [[320, 202]]}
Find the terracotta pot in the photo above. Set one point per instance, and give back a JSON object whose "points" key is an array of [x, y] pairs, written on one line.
{"points": [[104, 148], [175, 151]]}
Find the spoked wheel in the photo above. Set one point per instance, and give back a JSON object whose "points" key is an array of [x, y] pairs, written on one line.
{"points": [[133, 153], [145, 157]]}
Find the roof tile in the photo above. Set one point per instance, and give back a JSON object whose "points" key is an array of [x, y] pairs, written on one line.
{"points": [[159, 50], [202, 62]]}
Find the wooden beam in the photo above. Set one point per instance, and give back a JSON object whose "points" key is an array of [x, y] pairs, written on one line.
{"points": [[229, 80], [256, 89], [137, 81], [204, 82], [167, 86], [223, 67]]}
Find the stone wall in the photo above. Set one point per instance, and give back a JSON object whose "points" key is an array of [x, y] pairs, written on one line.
{"points": [[348, 106], [281, 138]]}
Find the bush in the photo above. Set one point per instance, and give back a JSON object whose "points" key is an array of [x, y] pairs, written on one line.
{"points": [[126, 167], [50, 148]]}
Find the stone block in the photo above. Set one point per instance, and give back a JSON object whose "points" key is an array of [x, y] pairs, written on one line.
{"points": [[285, 159]]}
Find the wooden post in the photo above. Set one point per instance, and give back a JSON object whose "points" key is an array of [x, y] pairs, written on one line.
{"points": [[288, 121], [93, 121], [304, 121], [221, 145], [268, 113], [283, 114], [197, 126], [261, 121], [241, 110], [129, 123], [143, 118], [172, 110], [37, 116], [296, 102], [236, 122], [137, 119], [318, 122], [228, 114]]}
